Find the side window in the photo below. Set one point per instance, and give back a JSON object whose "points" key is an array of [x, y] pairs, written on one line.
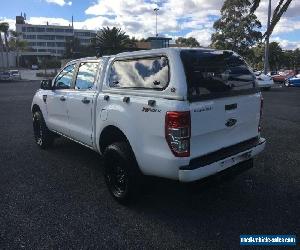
{"points": [[86, 75], [150, 73], [64, 79]]}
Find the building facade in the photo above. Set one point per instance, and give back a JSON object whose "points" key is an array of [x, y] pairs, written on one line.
{"points": [[50, 40]]}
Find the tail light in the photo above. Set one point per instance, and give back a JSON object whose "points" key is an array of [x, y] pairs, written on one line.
{"points": [[260, 114], [178, 132]]}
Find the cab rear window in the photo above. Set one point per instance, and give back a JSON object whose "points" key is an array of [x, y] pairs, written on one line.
{"points": [[213, 74]]}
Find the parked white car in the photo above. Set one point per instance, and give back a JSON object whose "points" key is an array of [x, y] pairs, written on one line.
{"points": [[34, 67], [5, 76], [15, 74], [264, 81], [182, 114]]}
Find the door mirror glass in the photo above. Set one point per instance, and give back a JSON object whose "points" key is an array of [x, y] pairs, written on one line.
{"points": [[46, 84]]}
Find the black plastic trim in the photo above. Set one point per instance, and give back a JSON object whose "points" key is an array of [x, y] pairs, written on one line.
{"points": [[223, 153], [223, 95]]}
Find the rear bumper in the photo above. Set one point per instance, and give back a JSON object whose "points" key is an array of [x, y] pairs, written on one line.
{"points": [[221, 160]]}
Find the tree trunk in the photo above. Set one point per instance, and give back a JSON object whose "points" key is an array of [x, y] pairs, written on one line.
{"points": [[1, 50], [6, 49], [18, 59]]}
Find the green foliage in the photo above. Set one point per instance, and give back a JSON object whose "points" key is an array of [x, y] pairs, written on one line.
{"points": [[112, 41], [187, 42], [52, 63], [74, 49], [15, 43], [278, 58], [236, 30]]}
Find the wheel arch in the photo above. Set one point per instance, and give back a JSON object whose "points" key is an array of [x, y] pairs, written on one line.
{"points": [[109, 135], [35, 108]]}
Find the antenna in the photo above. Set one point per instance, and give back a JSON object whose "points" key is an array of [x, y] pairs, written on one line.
{"points": [[156, 10]]}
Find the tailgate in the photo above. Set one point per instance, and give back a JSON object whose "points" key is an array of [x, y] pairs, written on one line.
{"points": [[224, 100], [223, 122]]}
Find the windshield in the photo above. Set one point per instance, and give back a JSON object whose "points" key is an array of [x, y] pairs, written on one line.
{"points": [[212, 74]]}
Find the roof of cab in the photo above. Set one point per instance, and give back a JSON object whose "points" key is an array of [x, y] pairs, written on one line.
{"points": [[94, 58], [161, 50], [144, 52]]}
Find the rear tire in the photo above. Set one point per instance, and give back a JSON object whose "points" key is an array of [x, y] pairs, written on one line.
{"points": [[122, 175], [43, 136]]}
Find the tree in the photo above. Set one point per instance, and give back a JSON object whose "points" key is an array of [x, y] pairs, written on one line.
{"points": [[72, 47], [112, 41], [279, 58], [276, 56], [4, 28], [236, 30], [280, 9], [1, 49], [17, 44], [187, 42]]}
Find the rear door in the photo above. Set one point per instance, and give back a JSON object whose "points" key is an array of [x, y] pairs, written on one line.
{"points": [[224, 101], [81, 103]]}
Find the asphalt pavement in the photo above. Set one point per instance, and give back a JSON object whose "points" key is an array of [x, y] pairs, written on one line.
{"points": [[57, 199]]}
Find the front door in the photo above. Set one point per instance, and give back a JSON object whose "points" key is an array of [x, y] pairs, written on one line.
{"points": [[81, 102], [57, 100]]}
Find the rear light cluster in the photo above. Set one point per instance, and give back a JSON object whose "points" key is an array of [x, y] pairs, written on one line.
{"points": [[178, 132], [260, 114]]}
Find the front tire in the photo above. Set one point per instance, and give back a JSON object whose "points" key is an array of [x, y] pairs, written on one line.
{"points": [[121, 172], [43, 136]]}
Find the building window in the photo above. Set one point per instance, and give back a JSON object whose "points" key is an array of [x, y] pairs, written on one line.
{"points": [[60, 44], [38, 29], [50, 44], [59, 30], [41, 44], [30, 29], [29, 36], [49, 29], [45, 37], [60, 37], [53, 51], [88, 34]]}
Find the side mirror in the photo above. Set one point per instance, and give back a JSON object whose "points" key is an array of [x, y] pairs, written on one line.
{"points": [[46, 84]]}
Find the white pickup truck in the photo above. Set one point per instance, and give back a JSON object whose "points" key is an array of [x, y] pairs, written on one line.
{"points": [[182, 114]]}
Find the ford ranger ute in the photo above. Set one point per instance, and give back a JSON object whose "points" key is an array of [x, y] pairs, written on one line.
{"points": [[182, 114]]}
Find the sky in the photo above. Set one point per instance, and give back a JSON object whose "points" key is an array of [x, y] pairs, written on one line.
{"points": [[175, 17]]}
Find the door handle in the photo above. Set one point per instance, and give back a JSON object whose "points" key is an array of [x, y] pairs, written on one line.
{"points": [[85, 100], [62, 98], [231, 106], [126, 99]]}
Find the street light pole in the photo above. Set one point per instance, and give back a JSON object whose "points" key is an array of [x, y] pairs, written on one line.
{"points": [[156, 10], [266, 61]]}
